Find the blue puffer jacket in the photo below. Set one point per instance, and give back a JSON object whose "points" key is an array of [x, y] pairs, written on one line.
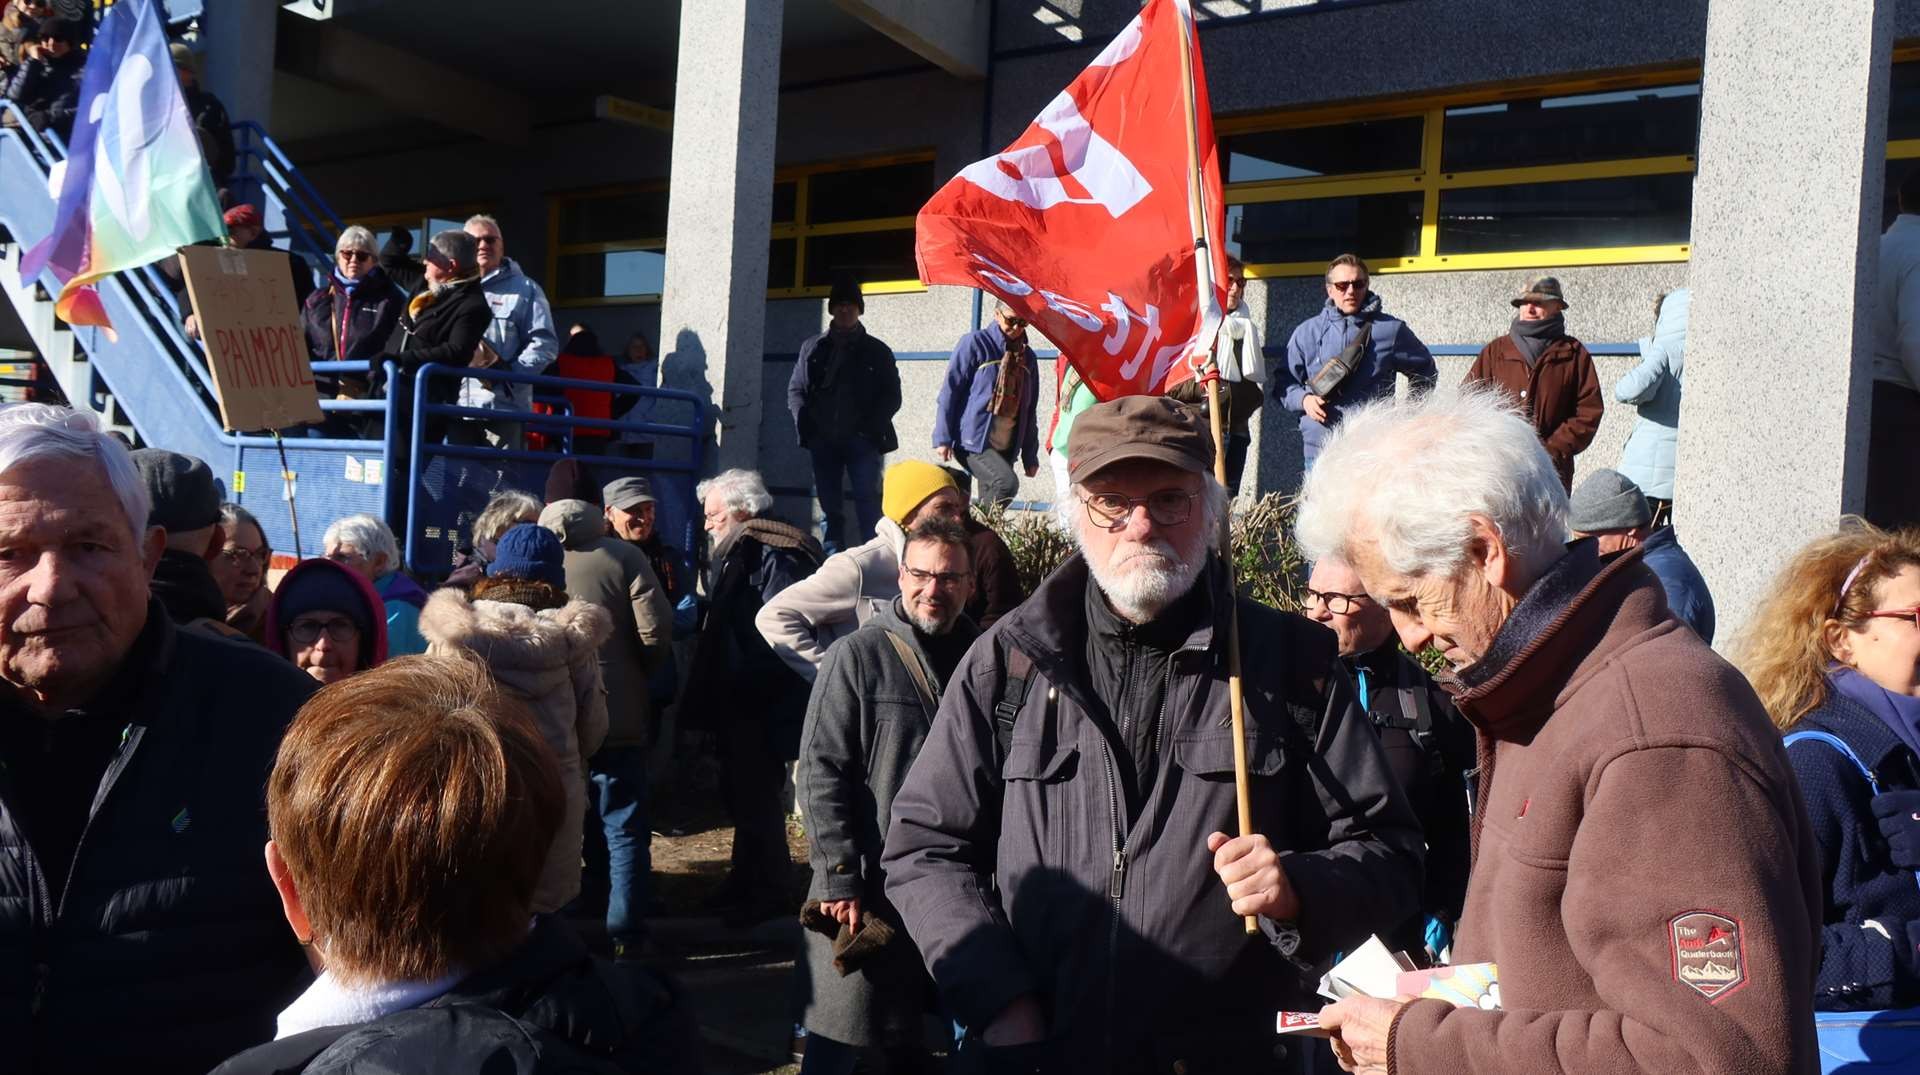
{"points": [[1393, 349], [1654, 387], [1686, 590], [1860, 969]]}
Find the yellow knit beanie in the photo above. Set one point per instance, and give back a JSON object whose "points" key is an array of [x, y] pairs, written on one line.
{"points": [[907, 484]]}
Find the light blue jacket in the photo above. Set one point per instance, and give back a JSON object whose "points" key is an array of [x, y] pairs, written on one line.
{"points": [[1392, 349], [1654, 387], [521, 331]]}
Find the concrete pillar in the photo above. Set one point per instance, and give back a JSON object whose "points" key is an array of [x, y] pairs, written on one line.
{"points": [[1786, 223], [237, 54], [714, 305]]}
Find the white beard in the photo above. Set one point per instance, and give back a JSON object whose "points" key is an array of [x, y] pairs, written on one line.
{"points": [[1153, 576]]}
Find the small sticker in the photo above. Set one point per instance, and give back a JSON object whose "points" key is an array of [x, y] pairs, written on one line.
{"points": [[433, 533], [1708, 956], [239, 481], [354, 470], [233, 263], [373, 469]]}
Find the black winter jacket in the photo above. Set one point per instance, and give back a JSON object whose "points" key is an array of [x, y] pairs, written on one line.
{"points": [[1021, 875], [445, 332], [842, 387], [164, 949], [735, 675], [48, 91], [609, 1017], [352, 325]]}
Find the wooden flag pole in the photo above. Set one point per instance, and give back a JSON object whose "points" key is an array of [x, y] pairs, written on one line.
{"points": [[1204, 256]]}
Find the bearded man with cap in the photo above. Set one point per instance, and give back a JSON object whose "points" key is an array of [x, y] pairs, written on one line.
{"points": [[844, 392], [1611, 509], [1549, 373], [1049, 852], [186, 504], [801, 621]]}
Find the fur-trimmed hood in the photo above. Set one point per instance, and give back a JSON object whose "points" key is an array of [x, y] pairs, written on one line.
{"points": [[513, 637]]}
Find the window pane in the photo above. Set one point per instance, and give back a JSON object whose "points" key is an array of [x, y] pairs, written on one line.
{"points": [[1661, 121], [869, 193], [613, 218], [1903, 102], [1653, 210], [782, 263], [1374, 226], [784, 195], [622, 274], [866, 256], [1382, 145]]}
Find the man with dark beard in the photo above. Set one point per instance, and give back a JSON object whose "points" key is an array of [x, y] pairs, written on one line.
{"points": [[1048, 851], [873, 704]]}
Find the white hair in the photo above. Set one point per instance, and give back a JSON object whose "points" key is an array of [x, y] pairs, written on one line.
{"points": [[31, 431], [356, 238], [366, 535], [742, 491], [483, 218], [1413, 472], [502, 512]]}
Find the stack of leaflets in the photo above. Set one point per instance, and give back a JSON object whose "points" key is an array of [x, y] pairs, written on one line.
{"points": [[1373, 970]]}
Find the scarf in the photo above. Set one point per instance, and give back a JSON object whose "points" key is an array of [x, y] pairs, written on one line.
{"points": [[1532, 337], [433, 293], [1899, 712], [1009, 384]]}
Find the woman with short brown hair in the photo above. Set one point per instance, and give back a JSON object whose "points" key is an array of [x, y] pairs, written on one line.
{"points": [[1834, 653], [411, 808]]}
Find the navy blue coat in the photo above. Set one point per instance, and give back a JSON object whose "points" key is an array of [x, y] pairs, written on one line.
{"points": [[961, 417], [1859, 968], [1687, 592], [870, 365]]}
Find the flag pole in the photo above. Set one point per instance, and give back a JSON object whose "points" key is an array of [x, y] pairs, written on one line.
{"points": [[1204, 256]]}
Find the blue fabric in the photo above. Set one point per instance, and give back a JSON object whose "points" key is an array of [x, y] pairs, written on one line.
{"points": [[961, 419], [1687, 592], [857, 460], [403, 615], [1392, 349], [1899, 712], [1654, 387], [1859, 969], [618, 849]]}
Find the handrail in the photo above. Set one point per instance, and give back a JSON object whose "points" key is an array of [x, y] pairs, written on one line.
{"points": [[35, 140], [279, 157]]}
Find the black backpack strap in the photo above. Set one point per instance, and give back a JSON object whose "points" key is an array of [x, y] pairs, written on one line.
{"points": [[1013, 695]]}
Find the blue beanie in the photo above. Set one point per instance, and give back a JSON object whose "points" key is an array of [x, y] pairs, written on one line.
{"points": [[530, 551]]}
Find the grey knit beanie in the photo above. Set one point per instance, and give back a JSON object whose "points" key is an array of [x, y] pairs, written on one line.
{"points": [[1607, 500]]}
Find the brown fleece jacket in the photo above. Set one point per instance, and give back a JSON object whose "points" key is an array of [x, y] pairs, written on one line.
{"points": [[1644, 873]]}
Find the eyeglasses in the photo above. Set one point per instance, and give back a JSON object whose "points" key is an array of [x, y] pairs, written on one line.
{"points": [[1168, 507], [346, 557], [1337, 603], [485, 240], [943, 578], [1912, 614], [240, 557], [1359, 284], [355, 255], [307, 632], [1013, 322]]}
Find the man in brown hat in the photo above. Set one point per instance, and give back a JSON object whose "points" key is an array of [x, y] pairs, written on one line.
{"points": [[1049, 851], [1548, 372]]}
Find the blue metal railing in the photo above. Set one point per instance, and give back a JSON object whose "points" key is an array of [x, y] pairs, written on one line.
{"points": [[312, 226]]}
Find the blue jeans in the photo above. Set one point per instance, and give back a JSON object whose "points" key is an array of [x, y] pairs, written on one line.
{"points": [[858, 462], [618, 847]]}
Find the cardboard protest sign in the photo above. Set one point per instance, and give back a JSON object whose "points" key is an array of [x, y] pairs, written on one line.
{"points": [[255, 344]]}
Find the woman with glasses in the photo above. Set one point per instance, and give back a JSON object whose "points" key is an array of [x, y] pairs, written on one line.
{"points": [[327, 620], [352, 318], [1834, 653], [240, 570]]}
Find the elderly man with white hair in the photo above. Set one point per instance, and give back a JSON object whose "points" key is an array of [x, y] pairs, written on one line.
{"points": [[1644, 875], [365, 545], [1059, 850], [138, 931], [520, 337]]}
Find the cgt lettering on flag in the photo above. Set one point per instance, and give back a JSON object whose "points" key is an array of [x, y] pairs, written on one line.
{"points": [[1085, 226]]}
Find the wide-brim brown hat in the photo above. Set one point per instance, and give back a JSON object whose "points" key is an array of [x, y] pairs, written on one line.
{"points": [[1543, 289], [1139, 427]]}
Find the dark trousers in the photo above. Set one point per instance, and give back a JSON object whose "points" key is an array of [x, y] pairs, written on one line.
{"points": [[858, 461], [1893, 457], [618, 846], [1237, 445], [994, 481], [752, 777]]}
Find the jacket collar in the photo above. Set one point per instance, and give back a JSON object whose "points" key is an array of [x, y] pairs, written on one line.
{"points": [[1559, 626], [1855, 724], [1368, 310]]}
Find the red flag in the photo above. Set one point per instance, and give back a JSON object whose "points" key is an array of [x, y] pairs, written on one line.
{"points": [[1086, 223]]}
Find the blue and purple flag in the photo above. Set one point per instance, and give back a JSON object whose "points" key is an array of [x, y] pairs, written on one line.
{"points": [[136, 186]]}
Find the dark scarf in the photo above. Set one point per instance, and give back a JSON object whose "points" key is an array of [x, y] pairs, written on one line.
{"points": [[186, 588], [1899, 712], [1532, 337]]}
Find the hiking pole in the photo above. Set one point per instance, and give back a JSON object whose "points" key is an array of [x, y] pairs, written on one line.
{"points": [[1203, 256], [287, 481]]}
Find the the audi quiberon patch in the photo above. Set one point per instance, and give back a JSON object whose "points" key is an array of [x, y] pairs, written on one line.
{"points": [[1708, 955]]}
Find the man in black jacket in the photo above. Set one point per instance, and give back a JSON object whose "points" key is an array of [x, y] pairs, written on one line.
{"points": [[138, 929], [844, 392], [186, 505], [1048, 850]]}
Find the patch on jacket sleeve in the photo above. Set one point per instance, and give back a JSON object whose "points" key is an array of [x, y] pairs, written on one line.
{"points": [[1709, 953]]}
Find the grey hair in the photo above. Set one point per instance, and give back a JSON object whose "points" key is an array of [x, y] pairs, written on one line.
{"points": [[1413, 472], [1070, 511], [742, 491], [356, 238], [507, 507], [365, 534], [30, 431], [484, 218], [233, 516], [460, 249]]}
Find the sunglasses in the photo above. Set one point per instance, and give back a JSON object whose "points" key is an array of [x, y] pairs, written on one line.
{"points": [[355, 255], [1347, 285]]}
